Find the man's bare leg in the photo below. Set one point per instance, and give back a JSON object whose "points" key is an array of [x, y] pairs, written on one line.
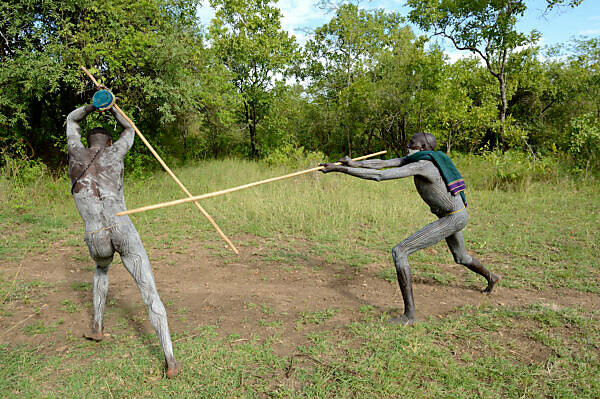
{"points": [[432, 233], [456, 243], [99, 292], [405, 282], [137, 263]]}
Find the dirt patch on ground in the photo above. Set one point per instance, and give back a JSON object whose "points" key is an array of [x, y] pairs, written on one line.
{"points": [[248, 296]]}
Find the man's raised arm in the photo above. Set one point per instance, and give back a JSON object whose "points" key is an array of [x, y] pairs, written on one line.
{"points": [[124, 142], [73, 128]]}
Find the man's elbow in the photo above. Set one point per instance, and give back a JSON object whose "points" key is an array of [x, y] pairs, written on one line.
{"points": [[71, 118]]}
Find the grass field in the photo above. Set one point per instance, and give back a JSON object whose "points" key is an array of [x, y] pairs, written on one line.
{"points": [[543, 238]]}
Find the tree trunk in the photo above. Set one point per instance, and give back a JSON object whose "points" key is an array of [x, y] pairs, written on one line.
{"points": [[253, 144], [369, 137], [185, 134], [503, 108], [249, 111]]}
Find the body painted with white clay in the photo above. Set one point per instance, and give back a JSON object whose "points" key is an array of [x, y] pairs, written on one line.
{"points": [[98, 195], [450, 210]]}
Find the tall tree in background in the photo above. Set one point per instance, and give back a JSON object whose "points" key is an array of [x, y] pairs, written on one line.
{"points": [[406, 90], [248, 37], [486, 28], [340, 58]]}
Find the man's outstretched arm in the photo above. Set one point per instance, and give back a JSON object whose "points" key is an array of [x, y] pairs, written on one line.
{"points": [[412, 169], [124, 142], [73, 128], [371, 163]]}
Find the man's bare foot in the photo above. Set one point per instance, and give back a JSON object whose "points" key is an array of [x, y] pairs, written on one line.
{"points": [[94, 335], [494, 278], [404, 320], [173, 369]]}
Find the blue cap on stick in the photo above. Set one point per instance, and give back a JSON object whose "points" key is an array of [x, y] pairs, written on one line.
{"points": [[103, 100]]}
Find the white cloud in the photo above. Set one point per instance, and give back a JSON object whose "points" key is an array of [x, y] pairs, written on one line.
{"points": [[205, 13], [589, 32], [300, 15], [456, 55]]}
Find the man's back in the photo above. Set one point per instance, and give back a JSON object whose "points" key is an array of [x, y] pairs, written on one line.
{"points": [[97, 172], [98, 194]]}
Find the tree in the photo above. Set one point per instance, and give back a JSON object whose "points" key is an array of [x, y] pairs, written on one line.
{"points": [[557, 3], [466, 107], [406, 91], [341, 59], [585, 63], [147, 51], [485, 28], [247, 36]]}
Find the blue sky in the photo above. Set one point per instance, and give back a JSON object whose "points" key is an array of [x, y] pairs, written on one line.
{"points": [[556, 27]]}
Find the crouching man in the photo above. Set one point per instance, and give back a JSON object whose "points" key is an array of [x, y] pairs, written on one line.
{"points": [[441, 186]]}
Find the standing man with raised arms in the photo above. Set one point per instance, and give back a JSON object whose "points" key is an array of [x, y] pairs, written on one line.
{"points": [[440, 185], [97, 186]]}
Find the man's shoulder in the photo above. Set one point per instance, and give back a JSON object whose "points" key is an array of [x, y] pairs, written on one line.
{"points": [[76, 152]]}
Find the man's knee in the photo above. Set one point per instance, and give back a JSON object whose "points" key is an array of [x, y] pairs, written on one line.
{"points": [[157, 307], [102, 263], [149, 295], [462, 259], [399, 252]]}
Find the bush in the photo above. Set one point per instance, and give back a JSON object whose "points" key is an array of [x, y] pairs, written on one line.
{"points": [[584, 142], [294, 157], [21, 169], [511, 170]]}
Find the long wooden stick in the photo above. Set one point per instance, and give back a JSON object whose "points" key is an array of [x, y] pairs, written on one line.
{"points": [[167, 169], [229, 190]]}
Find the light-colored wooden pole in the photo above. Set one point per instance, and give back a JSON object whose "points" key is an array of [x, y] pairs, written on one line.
{"points": [[230, 190], [167, 169]]}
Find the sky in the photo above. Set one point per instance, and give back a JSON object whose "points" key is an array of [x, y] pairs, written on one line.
{"points": [[558, 26]]}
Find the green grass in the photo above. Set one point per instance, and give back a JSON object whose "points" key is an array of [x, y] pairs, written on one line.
{"points": [[532, 351], [82, 286], [39, 328], [541, 236], [538, 238], [25, 292], [316, 317]]}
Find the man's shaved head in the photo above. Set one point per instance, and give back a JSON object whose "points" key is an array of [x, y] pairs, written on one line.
{"points": [[99, 137], [422, 142]]}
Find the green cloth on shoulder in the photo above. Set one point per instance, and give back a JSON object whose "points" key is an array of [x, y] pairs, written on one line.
{"points": [[451, 175]]}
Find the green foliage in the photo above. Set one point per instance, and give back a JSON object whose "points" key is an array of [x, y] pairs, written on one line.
{"points": [[585, 141], [558, 3], [21, 169], [484, 28], [149, 52], [348, 82], [511, 170], [517, 170], [293, 157], [368, 82], [248, 38]]}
